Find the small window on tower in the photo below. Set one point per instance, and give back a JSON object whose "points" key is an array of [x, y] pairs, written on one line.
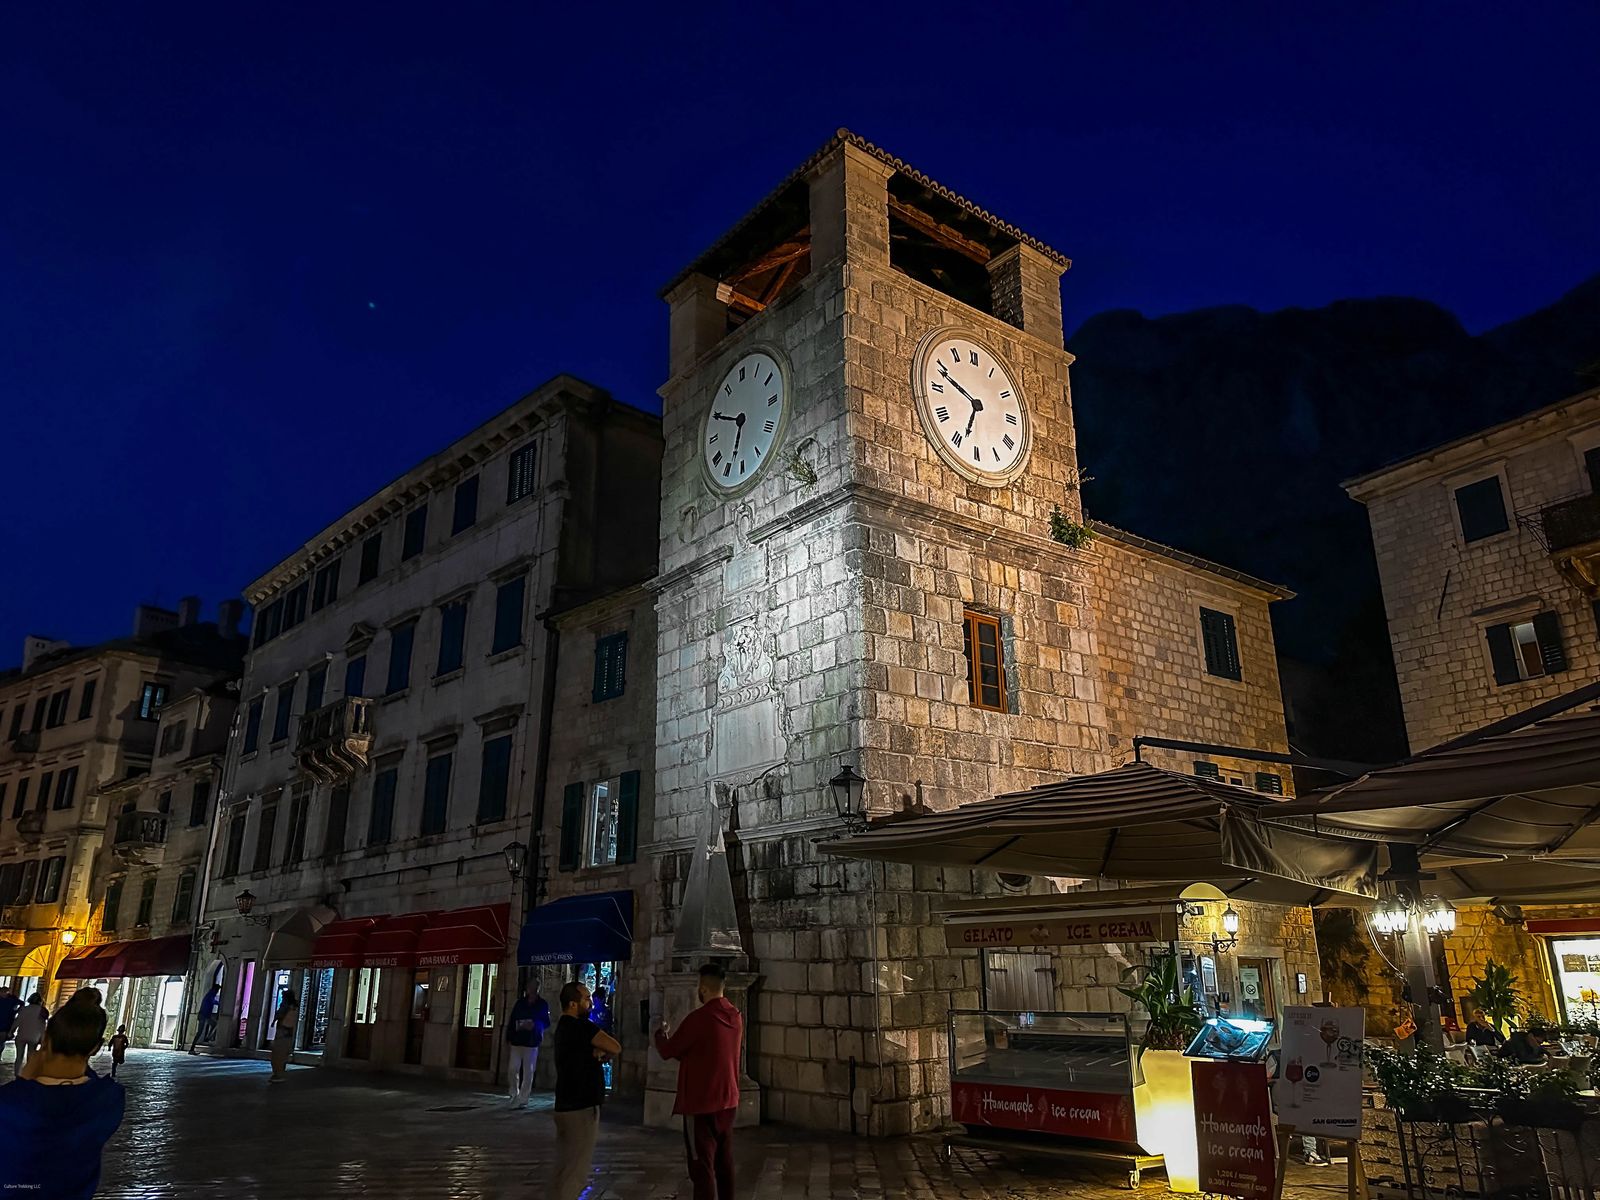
{"points": [[986, 677]]}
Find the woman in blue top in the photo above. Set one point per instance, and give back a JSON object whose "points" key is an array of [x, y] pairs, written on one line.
{"points": [[58, 1115]]}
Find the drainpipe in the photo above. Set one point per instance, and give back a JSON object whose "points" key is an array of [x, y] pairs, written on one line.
{"points": [[225, 777], [541, 779]]}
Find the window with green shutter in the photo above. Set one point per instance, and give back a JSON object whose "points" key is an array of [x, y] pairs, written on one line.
{"points": [[1207, 770], [1520, 650], [571, 826], [628, 817], [610, 666], [108, 914], [1220, 638]]}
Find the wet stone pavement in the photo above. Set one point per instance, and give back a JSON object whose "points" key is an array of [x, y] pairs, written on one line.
{"points": [[204, 1127]]}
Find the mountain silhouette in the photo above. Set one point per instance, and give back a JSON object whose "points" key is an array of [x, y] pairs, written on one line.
{"points": [[1228, 431]]}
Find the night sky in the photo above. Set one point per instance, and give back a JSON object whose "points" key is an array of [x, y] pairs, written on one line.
{"points": [[256, 261]]}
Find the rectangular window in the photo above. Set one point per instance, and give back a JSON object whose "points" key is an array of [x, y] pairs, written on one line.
{"points": [[436, 794], [1522, 650], [494, 782], [1220, 639], [316, 684], [86, 700], [986, 677], [172, 737], [416, 533], [465, 515], [371, 556], [1482, 509], [285, 710], [269, 623], [39, 707], [57, 714], [1207, 770], [264, 834], [401, 638], [325, 586], [1269, 783], [380, 827], [108, 913], [147, 902], [610, 666], [519, 482], [26, 880], [235, 852], [67, 788], [452, 636], [252, 726], [338, 819], [151, 700], [600, 846], [355, 676], [294, 848], [20, 805], [294, 606], [50, 880], [41, 799], [508, 603], [164, 805], [1591, 468], [183, 900], [478, 997], [199, 803], [17, 715], [366, 993], [2, 805]]}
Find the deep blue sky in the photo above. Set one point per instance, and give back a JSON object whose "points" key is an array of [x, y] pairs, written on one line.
{"points": [[256, 261]]}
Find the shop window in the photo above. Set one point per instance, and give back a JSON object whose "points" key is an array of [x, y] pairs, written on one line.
{"points": [[1482, 509], [1219, 637], [1521, 650], [610, 667], [986, 677]]}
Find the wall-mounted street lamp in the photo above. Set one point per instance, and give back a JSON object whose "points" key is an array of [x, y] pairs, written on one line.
{"points": [[516, 859], [68, 936], [848, 789], [1230, 926], [244, 902]]}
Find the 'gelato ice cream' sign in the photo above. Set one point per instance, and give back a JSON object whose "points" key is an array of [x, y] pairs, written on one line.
{"points": [[1004, 933]]}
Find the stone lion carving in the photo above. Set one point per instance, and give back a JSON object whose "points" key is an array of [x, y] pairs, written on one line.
{"points": [[746, 666]]}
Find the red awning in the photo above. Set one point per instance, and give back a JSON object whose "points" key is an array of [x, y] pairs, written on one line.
{"points": [[393, 940], [1566, 926], [125, 960], [158, 956], [340, 943], [465, 935], [94, 962]]}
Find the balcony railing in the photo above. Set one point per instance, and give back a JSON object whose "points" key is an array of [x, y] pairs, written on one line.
{"points": [[332, 741], [136, 829], [1571, 530]]}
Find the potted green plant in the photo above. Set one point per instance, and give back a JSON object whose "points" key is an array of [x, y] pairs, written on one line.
{"points": [[1174, 1020], [1424, 1086], [1497, 996], [1165, 1101]]}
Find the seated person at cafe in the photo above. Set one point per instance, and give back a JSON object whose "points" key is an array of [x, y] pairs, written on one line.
{"points": [[1525, 1047], [1481, 1033]]}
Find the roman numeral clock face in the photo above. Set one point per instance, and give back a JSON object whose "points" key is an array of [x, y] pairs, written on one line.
{"points": [[745, 420], [971, 407]]}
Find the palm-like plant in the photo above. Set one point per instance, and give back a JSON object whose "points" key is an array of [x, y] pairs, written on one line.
{"points": [[1497, 995], [1159, 991]]}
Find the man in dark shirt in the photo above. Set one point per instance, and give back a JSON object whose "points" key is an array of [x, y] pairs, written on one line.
{"points": [[1525, 1047], [9, 1006], [581, 1047]]}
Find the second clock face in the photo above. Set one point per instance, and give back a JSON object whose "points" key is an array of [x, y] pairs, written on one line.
{"points": [[971, 407], [745, 420]]}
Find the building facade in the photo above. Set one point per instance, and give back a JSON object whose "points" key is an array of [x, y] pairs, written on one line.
{"points": [[873, 555], [75, 722], [1488, 550], [391, 732]]}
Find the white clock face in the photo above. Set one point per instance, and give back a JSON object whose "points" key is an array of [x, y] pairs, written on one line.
{"points": [[745, 420], [971, 407]]}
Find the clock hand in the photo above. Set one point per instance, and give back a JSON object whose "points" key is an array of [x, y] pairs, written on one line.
{"points": [[716, 416], [971, 399], [738, 431]]}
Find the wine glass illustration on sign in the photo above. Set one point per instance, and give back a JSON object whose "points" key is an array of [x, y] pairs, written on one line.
{"points": [[1330, 1037], [1294, 1073]]}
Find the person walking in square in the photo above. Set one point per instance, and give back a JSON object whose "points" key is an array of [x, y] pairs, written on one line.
{"points": [[581, 1047], [206, 1028], [283, 1027], [119, 1049], [706, 1046], [31, 1023], [530, 1019]]}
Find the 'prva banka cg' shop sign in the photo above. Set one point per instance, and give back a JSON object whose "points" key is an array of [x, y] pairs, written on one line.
{"points": [[1005, 933]]}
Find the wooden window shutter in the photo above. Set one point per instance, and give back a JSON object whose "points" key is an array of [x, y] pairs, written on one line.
{"points": [[1503, 654], [1547, 628], [571, 826], [628, 817]]}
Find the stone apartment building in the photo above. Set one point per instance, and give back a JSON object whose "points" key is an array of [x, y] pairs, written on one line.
{"points": [[75, 723], [152, 869], [868, 430], [1488, 551], [393, 725]]}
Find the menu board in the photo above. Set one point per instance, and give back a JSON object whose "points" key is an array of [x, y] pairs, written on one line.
{"points": [[1233, 1130], [1318, 1089]]}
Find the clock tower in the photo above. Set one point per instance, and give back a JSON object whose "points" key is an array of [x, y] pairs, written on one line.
{"points": [[867, 428]]}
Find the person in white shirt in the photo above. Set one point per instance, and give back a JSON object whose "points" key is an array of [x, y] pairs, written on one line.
{"points": [[31, 1023]]}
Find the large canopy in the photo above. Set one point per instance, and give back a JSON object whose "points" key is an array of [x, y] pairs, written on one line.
{"points": [[1510, 813], [1135, 823]]}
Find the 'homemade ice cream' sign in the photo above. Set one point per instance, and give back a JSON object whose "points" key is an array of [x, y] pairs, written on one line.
{"points": [[1078, 930]]}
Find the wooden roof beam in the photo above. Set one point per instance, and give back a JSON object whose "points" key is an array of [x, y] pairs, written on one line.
{"points": [[943, 234]]}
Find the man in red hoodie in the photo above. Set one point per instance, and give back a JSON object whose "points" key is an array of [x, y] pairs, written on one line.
{"points": [[707, 1049]]}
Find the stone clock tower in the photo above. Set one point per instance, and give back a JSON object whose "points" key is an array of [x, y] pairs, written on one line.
{"points": [[867, 427]]}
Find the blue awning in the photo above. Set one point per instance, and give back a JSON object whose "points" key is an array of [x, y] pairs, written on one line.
{"points": [[579, 929]]}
